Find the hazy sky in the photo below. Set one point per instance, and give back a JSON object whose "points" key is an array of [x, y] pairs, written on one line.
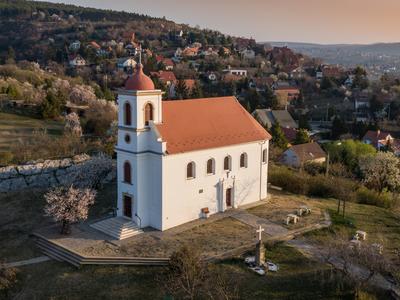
{"points": [[319, 21]]}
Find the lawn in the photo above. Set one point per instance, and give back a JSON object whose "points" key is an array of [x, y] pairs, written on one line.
{"points": [[282, 204], [22, 212], [15, 128], [298, 278], [382, 225]]}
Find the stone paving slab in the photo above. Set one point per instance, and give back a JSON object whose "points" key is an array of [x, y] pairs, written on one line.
{"points": [[270, 228]]}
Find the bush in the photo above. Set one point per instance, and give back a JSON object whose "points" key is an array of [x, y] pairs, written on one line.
{"points": [[313, 168], [371, 197], [320, 187], [288, 180], [6, 158]]}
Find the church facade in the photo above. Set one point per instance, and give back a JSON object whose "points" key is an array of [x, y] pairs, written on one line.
{"points": [[185, 159]]}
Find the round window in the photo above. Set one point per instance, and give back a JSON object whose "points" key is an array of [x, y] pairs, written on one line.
{"points": [[127, 138]]}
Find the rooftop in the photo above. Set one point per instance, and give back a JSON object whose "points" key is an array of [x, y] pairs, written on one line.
{"points": [[190, 125]]}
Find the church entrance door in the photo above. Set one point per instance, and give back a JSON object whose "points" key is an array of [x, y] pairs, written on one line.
{"points": [[228, 197], [127, 206]]}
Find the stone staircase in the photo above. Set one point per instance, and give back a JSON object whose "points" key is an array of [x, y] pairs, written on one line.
{"points": [[117, 227]]}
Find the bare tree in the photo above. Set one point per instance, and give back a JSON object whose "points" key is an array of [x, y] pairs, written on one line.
{"points": [[73, 125], [69, 205], [190, 277], [186, 272], [360, 262]]}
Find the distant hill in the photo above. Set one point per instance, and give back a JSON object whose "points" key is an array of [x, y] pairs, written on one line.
{"points": [[348, 54]]}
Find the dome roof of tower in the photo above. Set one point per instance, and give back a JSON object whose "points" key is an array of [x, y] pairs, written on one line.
{"points": [[139, 81]]}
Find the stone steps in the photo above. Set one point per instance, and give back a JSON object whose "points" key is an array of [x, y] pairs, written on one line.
{"points": [[59, 253], [118, 228]]}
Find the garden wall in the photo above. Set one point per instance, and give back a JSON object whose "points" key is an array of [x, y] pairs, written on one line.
{"points": [[47, 173]]}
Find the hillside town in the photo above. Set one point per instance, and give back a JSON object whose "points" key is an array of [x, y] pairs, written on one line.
{"points": [[136, 149]]}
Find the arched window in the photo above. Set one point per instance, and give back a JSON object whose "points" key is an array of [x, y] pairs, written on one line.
{"points": [[148, 113], [127, 114], [227, 163], [243, 160], [127, 172], [265, 156], [210, 166], [190, 170]]}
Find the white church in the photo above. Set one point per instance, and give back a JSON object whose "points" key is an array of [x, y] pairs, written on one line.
{"points": [[182, 160]]}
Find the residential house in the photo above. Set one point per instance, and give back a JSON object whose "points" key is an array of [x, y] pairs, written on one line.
{"points": [[76, 61], [126, 64], [298, 155], [378, 139], [237, 72], [178, 52], [269, 117], [166, 77], [75, 46], [168, 64], [248, 54]]}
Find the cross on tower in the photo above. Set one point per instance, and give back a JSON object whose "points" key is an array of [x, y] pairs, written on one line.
{"points": [[259, 231], [140, 54]]}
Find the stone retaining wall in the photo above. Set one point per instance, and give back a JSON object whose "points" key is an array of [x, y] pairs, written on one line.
{"points": [[45, 173]]}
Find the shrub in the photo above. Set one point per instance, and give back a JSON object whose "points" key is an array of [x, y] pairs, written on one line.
{"points": [[288, 180], [313, 168], [320, 187], [371, 197], [6, 158]]}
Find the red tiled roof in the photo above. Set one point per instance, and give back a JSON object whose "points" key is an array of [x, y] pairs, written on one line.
{"points": [[168, 62], [375, 136], [165, 75], [190, 83], [198, 124]]}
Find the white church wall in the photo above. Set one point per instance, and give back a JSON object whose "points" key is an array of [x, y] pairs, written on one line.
{"points": [[184, 198]]}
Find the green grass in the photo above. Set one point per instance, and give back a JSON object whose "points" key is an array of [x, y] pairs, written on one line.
{"points": [[22, 212], [298, 277], [15, 128]]}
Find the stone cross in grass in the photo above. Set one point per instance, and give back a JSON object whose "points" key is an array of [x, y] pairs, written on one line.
{"points": [[259, 231], [260, 250]]}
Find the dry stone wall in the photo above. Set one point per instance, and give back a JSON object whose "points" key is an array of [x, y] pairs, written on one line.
{"points": [[46, 173]]}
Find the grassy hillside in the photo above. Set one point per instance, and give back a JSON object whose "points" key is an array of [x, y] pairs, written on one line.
{"points": [[15, 129]]}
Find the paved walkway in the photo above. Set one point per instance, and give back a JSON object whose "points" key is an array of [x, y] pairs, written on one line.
{"points": [[31, 261], [271, 229]]}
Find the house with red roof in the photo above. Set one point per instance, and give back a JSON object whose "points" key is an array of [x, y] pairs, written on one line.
{"points": [[182, 160], [298, 155], [166, 77], [378, 139]]}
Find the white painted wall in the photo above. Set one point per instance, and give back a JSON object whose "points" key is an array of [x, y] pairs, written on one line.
{"points": [[162, 195], [182, 199]]}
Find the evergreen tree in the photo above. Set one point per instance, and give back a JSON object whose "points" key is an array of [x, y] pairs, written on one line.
{"points": [[338, 128], [302, 137], [270, 99], [52, 105], [278, 137], [303, 122], [181, 90], [196, 92], [254, 99], [10, 56]]}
